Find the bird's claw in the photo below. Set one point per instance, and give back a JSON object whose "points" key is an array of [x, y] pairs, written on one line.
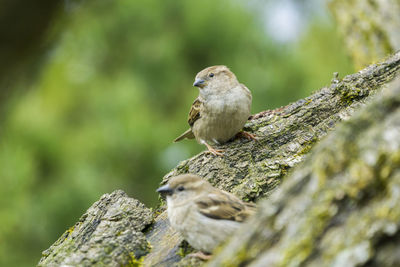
{"points": [[201, 255], [246, 135], [215, 152]]}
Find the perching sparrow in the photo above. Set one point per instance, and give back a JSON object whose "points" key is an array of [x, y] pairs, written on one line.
{"points": [[221, 109], [204, 215]]}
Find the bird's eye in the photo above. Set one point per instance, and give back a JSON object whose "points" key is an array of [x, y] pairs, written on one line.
{"points": [[211, 75], [181, 188]]}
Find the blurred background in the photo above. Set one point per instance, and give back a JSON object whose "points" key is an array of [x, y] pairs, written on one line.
{"points": [[93, 93]]}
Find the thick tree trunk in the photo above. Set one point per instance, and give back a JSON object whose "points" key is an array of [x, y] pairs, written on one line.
{"points": [[253, 170]]}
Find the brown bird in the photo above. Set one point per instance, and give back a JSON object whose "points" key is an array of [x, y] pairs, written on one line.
{"points": [[204, 215], [221, 109]]}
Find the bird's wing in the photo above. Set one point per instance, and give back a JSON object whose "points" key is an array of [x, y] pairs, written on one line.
{"points": [[194, 113], [224, 206]]}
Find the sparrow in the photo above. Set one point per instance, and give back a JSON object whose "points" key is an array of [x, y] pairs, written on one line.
{"points": [[204, 215], [221, 109]]}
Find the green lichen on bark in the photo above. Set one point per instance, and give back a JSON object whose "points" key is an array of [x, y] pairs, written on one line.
{"points": [[108, 234], [368, 34], [340, 206]]}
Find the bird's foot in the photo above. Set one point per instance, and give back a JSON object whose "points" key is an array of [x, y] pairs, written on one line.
{"points": [[215, 152], [201, 255], [247, 135]]}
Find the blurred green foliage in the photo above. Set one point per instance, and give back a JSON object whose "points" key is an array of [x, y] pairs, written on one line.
{"points": [[114, 91]]}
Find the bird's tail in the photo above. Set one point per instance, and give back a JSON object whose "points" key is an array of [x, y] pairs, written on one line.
{"points": [[188, 134]]}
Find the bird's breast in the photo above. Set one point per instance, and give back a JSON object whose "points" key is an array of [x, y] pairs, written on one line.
{"points": [[222, 117]]}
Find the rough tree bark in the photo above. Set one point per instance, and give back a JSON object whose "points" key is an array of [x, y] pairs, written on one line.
{"points": [[253, 170], [110, 233]]}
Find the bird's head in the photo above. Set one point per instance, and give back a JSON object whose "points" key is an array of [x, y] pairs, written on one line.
{"points": [[183, 188], [215, 78]]}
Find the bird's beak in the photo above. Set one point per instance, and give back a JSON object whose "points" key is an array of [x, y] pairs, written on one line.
{"points": [[165, 190], [199, 83]]}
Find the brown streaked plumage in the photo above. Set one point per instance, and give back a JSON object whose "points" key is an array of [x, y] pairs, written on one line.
{"points": [[221, 109], [194, 113], [224, 207], [203, 214]]}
